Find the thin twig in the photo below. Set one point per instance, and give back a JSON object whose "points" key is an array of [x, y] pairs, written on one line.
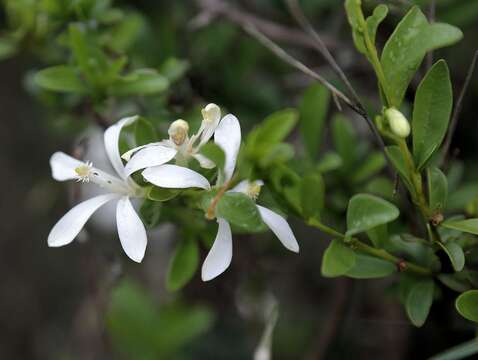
{"points": [[214, 8], [459, 106], [319, 45]]}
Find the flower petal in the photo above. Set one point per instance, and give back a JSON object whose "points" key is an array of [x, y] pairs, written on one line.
{"points": [[111, 138], [220, 255], [245, 185], [279, 227], [131, 230], [69, 226], [149, 156], [204, 162], [175, 177], [63, 166], [228, 137]]}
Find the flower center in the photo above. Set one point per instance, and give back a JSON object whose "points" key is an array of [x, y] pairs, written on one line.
{"points": [[84, 171], [254, 189], [211, 113]]}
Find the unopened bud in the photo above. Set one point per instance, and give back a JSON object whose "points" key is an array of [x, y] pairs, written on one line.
{"points": [[178, 131], [398, 122], [211, 113]]}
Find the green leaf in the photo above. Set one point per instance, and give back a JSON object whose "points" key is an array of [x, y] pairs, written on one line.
{"points": [[468, 225], [312, 195], [345, 140], [140, 82], [467, 305], [378, 235], [214, 153], [337, 259], [396, 157], [373, 21], [183, 264], [240, 210], [150, 213], [458, 352], [431, 112], [405, 49], [313, 111], [330, 161], [8, 47], [275, 128], [355, 17], [174, 69], [368, 211], [156, 193], [370, 267], [455, 253], [419, 301], [437, 188], [60, 78], [372, 164], [144, 132]]}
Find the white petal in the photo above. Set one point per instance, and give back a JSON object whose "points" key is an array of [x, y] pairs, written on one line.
{"points": [[149, 156], [66, 229], [245, 185], [204, 162], [63, 166], [228, 137], [131, 230], [111, 138], [220, 255], [175, 177], [280, 228]]}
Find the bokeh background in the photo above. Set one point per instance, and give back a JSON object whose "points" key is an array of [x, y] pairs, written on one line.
{"points": [[89, 301]]}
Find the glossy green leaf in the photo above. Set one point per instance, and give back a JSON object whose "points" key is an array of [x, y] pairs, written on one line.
{"points": [[345, 140], [458, 352], [144, 132], [373, 21], [395, 155], [431, 112], [312, 113], [370, 166], [468, 225], [419, 301], [368, 211], [467, 305], [240, 210], [455, 253], [405, 49], [312, 197], [156, 193], [330, 161], [378, 235], [60, 78], [140, 82], [183, 264], [214, 153], [370, 267], [337, 259], [355, 17], [437, 188]]}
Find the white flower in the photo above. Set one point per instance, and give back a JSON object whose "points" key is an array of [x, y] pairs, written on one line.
{"points": [[228, 137], [121, 188], [179, 146]]}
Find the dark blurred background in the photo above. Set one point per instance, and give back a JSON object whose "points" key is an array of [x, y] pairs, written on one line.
{"points": [[89, 301]]}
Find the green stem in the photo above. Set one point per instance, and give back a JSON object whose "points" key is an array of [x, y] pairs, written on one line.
{"points": [[380, 253]]}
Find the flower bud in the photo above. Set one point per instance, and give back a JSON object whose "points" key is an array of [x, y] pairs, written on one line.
{"points": [[211, 113], [398, 122], [178, 131]]}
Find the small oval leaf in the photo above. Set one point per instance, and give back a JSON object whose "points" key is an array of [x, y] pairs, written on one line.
{"points": [[337, 259], [467, 305]]}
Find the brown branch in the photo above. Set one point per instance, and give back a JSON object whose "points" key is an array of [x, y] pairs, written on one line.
{"points": [[459, 106], [212, 8]]}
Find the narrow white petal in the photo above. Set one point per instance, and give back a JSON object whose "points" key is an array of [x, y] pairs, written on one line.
{"points": [[175, 177], [68, 227], [63, 166], [131, 230], [149, 156], [204, 162], [228, 137], [220, 255], [280, 228], [111, 138]]}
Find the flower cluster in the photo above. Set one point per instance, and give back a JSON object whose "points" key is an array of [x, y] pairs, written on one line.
{"points": [[153, 161]]}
